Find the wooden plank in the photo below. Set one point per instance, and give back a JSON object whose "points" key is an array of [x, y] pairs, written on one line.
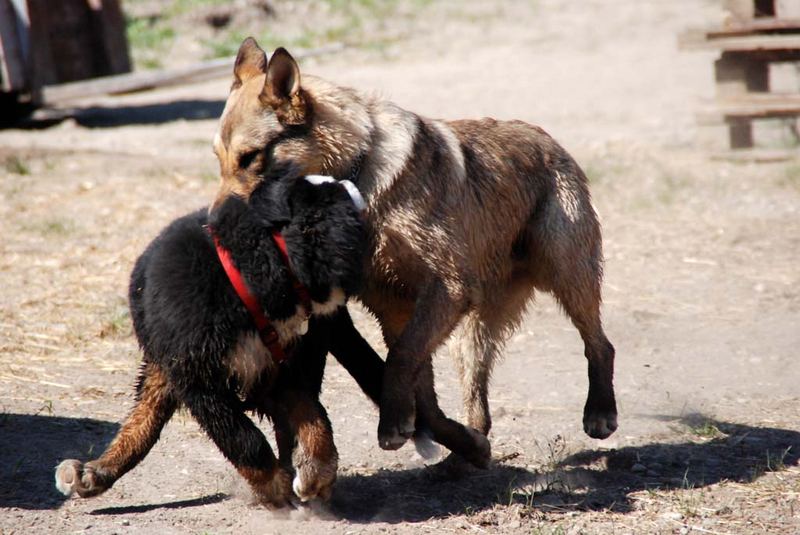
{"points": [[751, 107], [698, 40], [140, 81], [754, 26], [12, 60], [757, 155]]}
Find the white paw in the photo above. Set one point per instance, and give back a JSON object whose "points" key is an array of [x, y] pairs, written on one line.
{"points": [[426, 447]]}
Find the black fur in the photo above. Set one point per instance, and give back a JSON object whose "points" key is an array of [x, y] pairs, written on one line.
{"points": [[187, 315], [188, 318]]}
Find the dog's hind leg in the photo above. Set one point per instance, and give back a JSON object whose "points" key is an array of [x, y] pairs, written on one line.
{"points": [[581, 301], [154, 407], [221, 415], [569, 253]]}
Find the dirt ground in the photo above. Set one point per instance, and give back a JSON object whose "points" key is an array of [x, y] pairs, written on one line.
{"points": [[702, 300]]}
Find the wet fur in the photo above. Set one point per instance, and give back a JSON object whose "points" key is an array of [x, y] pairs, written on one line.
{"points": [[466, 219], [201, 349]]}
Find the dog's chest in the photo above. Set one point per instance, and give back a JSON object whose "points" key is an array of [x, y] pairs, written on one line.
{"points": [[250, 358]]}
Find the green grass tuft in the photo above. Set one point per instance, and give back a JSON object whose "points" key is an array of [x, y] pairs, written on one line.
{"points": [[149, 39], [16, 166]]}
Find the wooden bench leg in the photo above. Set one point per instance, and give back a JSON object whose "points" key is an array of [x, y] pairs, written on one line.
{"points": [[741, 133]]}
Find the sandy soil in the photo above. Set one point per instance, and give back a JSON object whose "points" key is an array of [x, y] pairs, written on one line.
{"points": [[702, 300]]}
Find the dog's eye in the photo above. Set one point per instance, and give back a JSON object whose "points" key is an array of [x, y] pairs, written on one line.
{"points": [[246, 159]]}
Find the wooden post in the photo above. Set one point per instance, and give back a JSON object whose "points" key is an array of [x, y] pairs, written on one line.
{"points": [[109, 24], [741, 133], [12, 60], [765, 8], [740, 74], [77, 39]]}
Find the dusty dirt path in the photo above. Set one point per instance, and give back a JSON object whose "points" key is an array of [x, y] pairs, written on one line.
{"points": [[702, 300]]}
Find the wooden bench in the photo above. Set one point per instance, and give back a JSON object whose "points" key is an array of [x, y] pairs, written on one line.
{"points": [[756, 37]]}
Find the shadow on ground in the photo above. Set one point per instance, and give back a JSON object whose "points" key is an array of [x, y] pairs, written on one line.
{"points": [[717, 451], [713, 451], [30, 448], [142, 114], [588, 480], [179, 504]]}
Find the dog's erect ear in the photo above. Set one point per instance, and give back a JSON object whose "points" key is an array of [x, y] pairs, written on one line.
{"points": [[250, 61], [283, 75], [282, 88]]}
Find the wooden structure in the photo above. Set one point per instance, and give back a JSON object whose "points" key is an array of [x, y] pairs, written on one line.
{"points": [[45, 42], [757, 37]]}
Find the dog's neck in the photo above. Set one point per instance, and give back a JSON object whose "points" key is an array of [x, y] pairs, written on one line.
{"points": [[355, 168]]}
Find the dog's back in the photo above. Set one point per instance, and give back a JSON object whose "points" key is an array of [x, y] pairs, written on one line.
{"points": [[178, 290]]}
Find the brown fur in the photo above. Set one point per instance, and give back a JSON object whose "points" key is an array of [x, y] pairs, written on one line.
{"points": [[467, 219], [315, 459], [294, 415], [139, 432]]}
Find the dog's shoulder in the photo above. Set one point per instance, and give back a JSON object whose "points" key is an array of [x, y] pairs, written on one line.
{"points": [[181, 236], [182, 255], [171, 285]]}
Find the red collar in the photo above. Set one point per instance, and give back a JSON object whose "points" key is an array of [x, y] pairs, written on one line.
{"points": [[266, 331]]}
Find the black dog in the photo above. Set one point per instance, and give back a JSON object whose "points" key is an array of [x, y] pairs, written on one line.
{"points": [[202, 348]]}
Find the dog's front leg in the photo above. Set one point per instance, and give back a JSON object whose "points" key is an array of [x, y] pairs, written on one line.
{"points": [[315, 458], [436, 313]]}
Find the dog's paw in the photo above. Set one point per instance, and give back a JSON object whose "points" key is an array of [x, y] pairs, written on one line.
{"points": [[481, 454], [425, 445], [392, 437], [599, 424], [73, 477], [314, 477], [396, 425], [277, 492]]}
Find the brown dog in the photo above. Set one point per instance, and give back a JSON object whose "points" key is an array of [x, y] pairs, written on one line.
{"points": [[466, 219]]}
